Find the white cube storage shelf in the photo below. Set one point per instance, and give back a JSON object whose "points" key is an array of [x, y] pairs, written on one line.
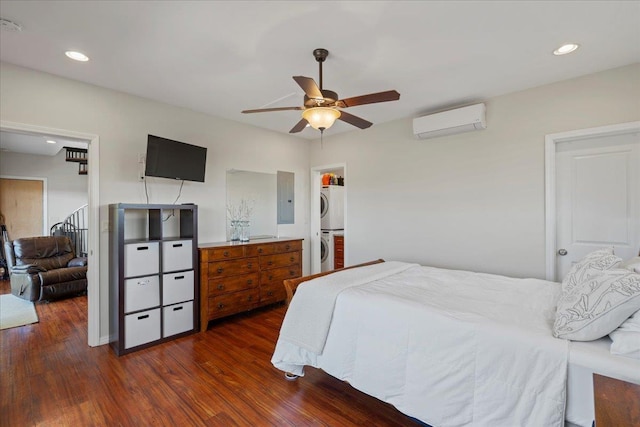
{"points": [[141, 259], [177, 255], [141, 293], [177, 287], [141, 328], [177, 318], [154, 289]]}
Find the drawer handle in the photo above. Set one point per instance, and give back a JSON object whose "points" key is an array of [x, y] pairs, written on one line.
{"points": [[270, 263], [249, 265], [270, 277], [221, 305], [292, 259], [143, 317], [178, 308], [288, 247], [142, 248], [178, 278], [225, 253], [250, 297], [292, 273], [177, 245], [250, 281], [221, 286], [270, 293], [220, 270], [260, 250]]}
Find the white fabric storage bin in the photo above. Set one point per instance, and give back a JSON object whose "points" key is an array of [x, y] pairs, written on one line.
{"points": [[178, 318], [177, 287], [177, 255], [141, 328], [141, 259], [141, 293]]}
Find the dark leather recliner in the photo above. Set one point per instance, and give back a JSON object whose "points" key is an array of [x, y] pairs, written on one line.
{"points": [[45, 268]]}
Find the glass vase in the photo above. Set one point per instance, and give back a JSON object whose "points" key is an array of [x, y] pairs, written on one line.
{"points": [[234, 231], [244, 231]]}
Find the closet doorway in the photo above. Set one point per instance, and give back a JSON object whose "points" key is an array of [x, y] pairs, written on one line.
{"points": [[315, 232]]}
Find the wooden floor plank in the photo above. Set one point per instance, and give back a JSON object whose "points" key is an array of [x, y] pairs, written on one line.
{"points": [[49, 376]]}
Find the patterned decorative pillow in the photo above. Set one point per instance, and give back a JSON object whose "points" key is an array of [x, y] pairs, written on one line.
{"points": [[602, 259], [597, 305], [626, 338], [632, 264]]}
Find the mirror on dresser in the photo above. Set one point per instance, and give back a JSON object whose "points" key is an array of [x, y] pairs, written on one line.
{"points": [[268, 196]]}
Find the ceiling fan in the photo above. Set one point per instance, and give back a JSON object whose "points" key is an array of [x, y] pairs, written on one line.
{"points": [[322, 106]]}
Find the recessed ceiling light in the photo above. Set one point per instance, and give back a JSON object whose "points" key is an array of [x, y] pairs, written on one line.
{"points": [[566, 48], [50, 141], [78, 56]]}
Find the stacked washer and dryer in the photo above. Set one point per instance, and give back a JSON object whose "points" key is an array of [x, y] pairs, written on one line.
{"points": [[331, 221]]}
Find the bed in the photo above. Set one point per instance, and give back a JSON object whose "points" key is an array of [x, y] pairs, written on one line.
{"points": [[447, 347]]}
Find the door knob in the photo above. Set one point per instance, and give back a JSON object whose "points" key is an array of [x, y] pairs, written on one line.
{"points": [[562, 252]]}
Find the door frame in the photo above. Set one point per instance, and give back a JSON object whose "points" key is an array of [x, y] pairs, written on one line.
{"points": [[550, 151], [93, 175], [314, 227], [45, 208]]}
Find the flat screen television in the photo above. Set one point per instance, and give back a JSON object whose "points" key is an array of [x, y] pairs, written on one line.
{"points": [[175, 160]]}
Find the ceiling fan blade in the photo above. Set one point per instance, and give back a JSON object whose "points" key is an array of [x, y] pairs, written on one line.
{"points": [[299, 126], [390, 95], [354, 120], [309, 86], [264, 110]]}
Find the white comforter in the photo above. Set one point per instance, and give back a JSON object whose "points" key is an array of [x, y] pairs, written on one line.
{"points": [[451, 348]]}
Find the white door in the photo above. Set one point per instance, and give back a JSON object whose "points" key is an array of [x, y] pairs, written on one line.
{"points": [[597, 198]]}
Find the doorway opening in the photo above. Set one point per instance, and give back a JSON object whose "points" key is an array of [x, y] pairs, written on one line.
{"points": [[324, 248], [92, 171]]}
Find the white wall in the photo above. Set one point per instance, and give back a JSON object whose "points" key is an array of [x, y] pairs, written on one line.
{"points": [[66, 190], [122, 123], [473, 201]]}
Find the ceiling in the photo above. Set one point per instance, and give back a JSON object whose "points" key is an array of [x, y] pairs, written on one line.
{"points": [[223, 57], [32, 143]]}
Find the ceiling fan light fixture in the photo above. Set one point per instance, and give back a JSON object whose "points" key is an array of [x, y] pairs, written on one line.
{"points": [[321, 118]]}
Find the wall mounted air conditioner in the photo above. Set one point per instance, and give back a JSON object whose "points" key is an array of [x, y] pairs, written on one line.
{"points": [[450, 122]]}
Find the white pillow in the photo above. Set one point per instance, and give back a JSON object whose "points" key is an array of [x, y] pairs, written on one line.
{"points": [[597, 305], [626, 338], [632, 264], [602, 259]]}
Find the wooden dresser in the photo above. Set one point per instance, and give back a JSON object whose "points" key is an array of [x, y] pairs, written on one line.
{"points": [[243, 276]]}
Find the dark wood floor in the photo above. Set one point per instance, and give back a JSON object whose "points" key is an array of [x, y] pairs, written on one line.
{"points": [[49, 376]]}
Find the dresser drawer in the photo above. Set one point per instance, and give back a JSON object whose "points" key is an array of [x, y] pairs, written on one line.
{"points": [[141, 259], [279, 260], [224, 285], [235, 302], [233, 267], [177, 287], [278, 275], [141, 328], [282, 247], [219, 254], [141, 293], [271, 293]]}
